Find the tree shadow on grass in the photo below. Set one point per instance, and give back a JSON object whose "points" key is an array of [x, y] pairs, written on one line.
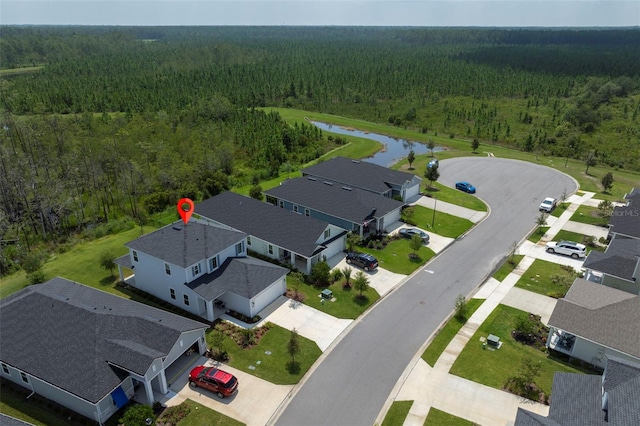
{"points": [[360, 300], [293, 367], [107, 281]]}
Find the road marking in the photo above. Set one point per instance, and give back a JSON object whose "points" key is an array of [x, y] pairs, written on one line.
{"points": [[429, 271]]}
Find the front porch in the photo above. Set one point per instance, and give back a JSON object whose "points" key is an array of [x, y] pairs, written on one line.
{"points": [[561, 341]]}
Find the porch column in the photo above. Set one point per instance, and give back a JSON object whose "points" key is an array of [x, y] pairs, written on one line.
{"points": [[120, 273], [149, 391], [292, 259], [209, 308], [164, 388], [308, 265]]}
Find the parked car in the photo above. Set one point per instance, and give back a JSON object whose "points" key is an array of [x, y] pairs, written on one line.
{"points": [[432, 163], [466, 187], [568, 248], [363, 260], [548, 205], [214, 380], [410, 232]]}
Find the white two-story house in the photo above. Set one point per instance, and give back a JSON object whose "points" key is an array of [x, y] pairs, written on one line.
{"points": [[202, 269]]}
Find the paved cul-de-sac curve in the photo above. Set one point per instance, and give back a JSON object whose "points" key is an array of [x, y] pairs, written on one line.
{"points": [[353, 381]]}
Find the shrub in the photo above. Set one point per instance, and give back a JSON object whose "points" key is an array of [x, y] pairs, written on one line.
{"points": [[36, 277], [137, 415], [336, 275], [461, 308], [173, 415]]}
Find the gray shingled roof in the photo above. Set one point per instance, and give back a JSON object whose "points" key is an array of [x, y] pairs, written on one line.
{"points": [[602, 314], [622, 382], [358, 174], [291, 231], [6, 420], [527, 418], [619, 260], [350, 204], [576, 400], [625, 220], [183, 245], [69, 335], [245, 276]]}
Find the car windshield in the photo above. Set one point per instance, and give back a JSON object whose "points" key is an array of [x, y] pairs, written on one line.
{"points": [[546, 202]]}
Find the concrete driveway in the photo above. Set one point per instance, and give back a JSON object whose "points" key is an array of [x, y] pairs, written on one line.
{"points": [[311, 323], [380, 280], [253, 404]]}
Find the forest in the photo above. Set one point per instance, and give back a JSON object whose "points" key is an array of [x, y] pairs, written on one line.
{"points": [[100, 124]]}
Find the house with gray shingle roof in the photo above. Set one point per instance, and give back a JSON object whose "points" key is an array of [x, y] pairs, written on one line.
{"points": [[612, 399], [593, 322], [87, 349], [349, 208], [202, 269], [619, 265], [367, 177], [289, 237]]}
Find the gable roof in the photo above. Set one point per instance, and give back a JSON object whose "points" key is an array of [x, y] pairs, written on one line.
{"points": [[601, 314], [625, 220], [183, 245], [84, 340], [576, 399], [291, 231], [245, 276], [359, 174], [352, 204], [619, 260]]}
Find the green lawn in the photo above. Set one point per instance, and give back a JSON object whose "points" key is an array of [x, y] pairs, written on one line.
{"points": [[443, 223], [447, 333], [440, 418], [453, 196], [199, 415], [395, 256], [397, 413], [508, 267], [538, 278], [494, 367], [346, 304], [537, 234], [588, 215], [562, 207], [81, 264], [274, 367]]}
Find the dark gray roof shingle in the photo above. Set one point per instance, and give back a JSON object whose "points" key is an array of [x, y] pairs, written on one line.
{"points": [[245, 276], [576, 400], [350, 204], [183, 245], [291, 231], [619, 260], [625, 220], [601, 314], [71, 336], [358, 174]]}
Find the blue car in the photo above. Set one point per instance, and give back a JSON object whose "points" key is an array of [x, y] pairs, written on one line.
{"points": [[466, 187]]}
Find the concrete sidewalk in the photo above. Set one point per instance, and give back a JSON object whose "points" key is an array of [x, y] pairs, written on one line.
{"points": [[452, 209]]}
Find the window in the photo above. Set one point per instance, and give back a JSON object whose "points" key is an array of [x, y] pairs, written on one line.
{"points": [[295, 209], [167, 269], [172, 293], [213, 263], [306, 212], [135, 255], [239, 248], [327, 233], [24, 377], [248, 241], [186, 299], [5, 369], [195, 269], [270, 249]]}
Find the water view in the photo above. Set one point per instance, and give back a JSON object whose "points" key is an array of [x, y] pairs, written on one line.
{"points": [[394, 149]]}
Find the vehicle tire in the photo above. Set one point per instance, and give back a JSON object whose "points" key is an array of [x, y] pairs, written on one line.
{"points": [[550, 250], [220, 395], [349, 261], [192, 384], [574, 255]]}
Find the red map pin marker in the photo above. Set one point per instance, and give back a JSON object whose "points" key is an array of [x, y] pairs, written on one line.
{"points": [[185, 208]]}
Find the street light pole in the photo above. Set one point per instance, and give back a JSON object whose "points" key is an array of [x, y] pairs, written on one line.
{"points": [[433, 219]]}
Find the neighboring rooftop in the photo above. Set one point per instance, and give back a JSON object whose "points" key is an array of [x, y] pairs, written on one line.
{"points": [[601, 314], [358, 174], [625, 220], [245, 276], [347, 203], [292, 231], [83, 340], [576, 399], [183, 245], [621, 259]]}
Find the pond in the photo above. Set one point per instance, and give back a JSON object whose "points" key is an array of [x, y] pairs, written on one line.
{"points": [[394, 149]]}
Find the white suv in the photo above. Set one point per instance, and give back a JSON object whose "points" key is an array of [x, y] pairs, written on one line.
{"points": [[568, 248], [548, 205]]}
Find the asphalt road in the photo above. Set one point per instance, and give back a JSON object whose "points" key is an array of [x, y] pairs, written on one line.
{"points": [[355, 379]]}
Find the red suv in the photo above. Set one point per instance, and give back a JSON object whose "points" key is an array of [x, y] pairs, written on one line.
{"points": [[214, 380]]}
